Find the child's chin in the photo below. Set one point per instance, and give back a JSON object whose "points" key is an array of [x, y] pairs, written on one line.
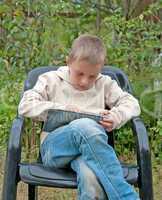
{"points": [[81, 89]]}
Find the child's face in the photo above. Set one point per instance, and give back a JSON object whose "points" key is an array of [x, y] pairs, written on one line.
{"points": [[83, 74]]}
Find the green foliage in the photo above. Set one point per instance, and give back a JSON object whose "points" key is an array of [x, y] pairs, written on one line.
{"points": [[125, 144], [37, 33], [133, 44], [156, 141], [43, 36]]}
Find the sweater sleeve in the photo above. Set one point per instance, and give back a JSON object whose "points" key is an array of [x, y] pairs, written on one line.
{"points": [[35, 102], [123, 106]]}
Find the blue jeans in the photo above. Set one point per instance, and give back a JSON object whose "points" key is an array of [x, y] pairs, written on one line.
{"points": [[83, 144]]}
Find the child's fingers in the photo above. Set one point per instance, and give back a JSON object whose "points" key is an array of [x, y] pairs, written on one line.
{"points": [[106, 124], [107, 119], [104, 112], [109, 129]]}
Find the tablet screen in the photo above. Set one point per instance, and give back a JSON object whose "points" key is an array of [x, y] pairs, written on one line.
{"points": [[57, 118]]}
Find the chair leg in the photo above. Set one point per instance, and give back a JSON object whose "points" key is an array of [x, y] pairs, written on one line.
{"points": [[32, 192], [10, 181], [9, 191], [146, 186], [146, 192]]}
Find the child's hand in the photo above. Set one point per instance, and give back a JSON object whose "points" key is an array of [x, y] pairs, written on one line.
{"points": [[72, 108], [107, 121]]}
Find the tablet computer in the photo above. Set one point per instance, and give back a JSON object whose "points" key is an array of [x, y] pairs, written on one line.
{"points": [[58, 117]]}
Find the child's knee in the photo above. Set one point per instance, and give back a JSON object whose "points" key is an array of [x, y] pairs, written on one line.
{"points": [[88, 127], [83, 122]]}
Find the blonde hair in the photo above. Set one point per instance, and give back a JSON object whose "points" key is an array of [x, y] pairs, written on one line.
{"points": [[89, 48]]}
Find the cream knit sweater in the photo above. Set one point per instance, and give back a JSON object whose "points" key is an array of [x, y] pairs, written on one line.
{"points": [[53, 90]]}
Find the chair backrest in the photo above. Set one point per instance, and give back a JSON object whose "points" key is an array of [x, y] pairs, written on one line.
{"points": [[114, 72]]}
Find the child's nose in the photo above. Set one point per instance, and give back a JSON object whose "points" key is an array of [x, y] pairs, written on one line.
{"points": [[84, 82]]}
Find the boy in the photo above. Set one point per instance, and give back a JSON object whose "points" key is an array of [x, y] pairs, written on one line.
{"points": [[82, 143]]}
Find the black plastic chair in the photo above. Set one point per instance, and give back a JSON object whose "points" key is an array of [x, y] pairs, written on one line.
{"points": [[35, 174]]}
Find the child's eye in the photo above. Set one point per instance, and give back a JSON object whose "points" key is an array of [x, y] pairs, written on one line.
{"points": [[80, 74], [92, 77]]}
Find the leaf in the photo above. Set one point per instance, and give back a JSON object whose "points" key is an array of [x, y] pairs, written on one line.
{"points": [[160, 132], [4, 9], [159, 123]]}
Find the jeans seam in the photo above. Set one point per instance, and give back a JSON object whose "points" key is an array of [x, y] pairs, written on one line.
{"points": [[92, 150]]}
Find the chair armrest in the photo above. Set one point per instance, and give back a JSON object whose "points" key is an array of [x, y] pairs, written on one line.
{"points": [[140, 134], [143, 153], [15, 134], [13, 155], [141, 137]]}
